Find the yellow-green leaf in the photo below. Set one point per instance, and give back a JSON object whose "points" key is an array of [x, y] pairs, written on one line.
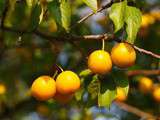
{"points": [[79, 94], [31, 3], [65, 9], [94, 87], [85, 72], [133, 20], [105, 99], [117, 14], [121, 81], [43, 9], [92, 4], [7, 21]]}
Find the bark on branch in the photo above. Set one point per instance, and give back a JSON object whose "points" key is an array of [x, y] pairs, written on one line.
{"points": [[136, 111], [147, 52], [143, 72], [69, 37]]}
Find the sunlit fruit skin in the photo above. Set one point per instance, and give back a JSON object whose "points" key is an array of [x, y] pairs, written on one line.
{"points": [[123, 55], [2, 89], [63, 98], [156, 94], [67, 82], [145, 84], [99, 62], [43, 88], [121, 96]]}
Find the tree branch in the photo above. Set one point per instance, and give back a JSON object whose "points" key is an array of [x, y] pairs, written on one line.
{"points": [[69, 37], [143, 72], [75, 38], [147, 52], [136, 111], [96, 37]]}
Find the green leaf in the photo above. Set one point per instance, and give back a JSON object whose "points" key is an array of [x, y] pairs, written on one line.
{"points": [[43, 9], [92, 4], [7, 21], [107, 91], [79, 94], [65, 9], [54, 9], [85, 72], [105, 99], [34, 22], [133, 19], [49, 0], [31, 3], [117, 14], [121, 13], [2, 5], [121, 80], [94, 87]]}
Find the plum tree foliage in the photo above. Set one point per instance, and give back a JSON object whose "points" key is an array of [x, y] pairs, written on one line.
{"points": [[40, 37]]}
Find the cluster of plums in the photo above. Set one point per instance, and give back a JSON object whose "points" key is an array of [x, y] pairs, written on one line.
{"points": [[67, 82], [62, 90], [122, 55]]}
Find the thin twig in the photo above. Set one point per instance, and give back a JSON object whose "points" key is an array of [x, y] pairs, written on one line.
{"points": [[143, 72], [147, 52], [136, 111], [92, 13], [141, 50]]}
